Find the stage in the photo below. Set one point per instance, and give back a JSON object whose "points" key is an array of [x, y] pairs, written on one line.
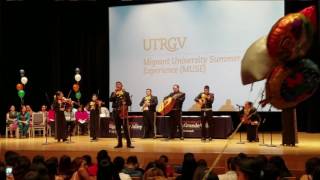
{"points": [[150, 149]]}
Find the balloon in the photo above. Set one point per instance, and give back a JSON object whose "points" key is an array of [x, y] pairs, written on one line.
{"points": [[77, 70], [21, 93], [256, 64], [77, 77], [290, 84], [24, 80], [75, 87], [21, 72], [290, 38], [311, 15], [78, 95], [19, 87]]}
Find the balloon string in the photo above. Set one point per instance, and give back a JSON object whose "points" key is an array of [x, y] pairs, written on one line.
{"points": [[222, 151]]}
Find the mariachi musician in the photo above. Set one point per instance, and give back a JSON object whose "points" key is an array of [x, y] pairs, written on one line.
{"points": [[205, 100], [120, 101], [94, 108], [148, 105], [251, 118], [178, 98], [59, 105]]}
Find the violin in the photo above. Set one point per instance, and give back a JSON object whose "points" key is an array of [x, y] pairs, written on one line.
{"points": [[123, 111]]}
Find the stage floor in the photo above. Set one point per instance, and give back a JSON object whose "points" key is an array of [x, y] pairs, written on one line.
{"points": [[150, 149]]}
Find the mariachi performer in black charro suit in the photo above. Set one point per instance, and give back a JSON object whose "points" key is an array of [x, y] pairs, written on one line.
{"points": [[176, 112], [205, 99], [251, 118], [59, 106], [94, 108], [120, 101], [148, 105]]}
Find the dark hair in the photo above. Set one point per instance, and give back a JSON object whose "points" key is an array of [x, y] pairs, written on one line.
{"points": [[118, 163], [231, 162], [118, 82], [206, 87], [316, 173], [10, 158], [22, 167], [166, 159], [132, 160], [250, 168], [311, 164], [64, 165], [106, 170], [2, 171], [281, 165], [149, 89], [270, 172], [177, 85], [189, 166], [52, 166], [202, 163], [38, 159], [103, 154], [88, 159]]}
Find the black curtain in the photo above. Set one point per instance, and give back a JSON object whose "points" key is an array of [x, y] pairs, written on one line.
{"points": [[49, 40], [308, 112]]}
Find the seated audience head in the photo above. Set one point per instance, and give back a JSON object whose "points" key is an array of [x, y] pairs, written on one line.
{"points": [[311, 164], [248, 169], [88, 159], [118, 163], [153, 173]]}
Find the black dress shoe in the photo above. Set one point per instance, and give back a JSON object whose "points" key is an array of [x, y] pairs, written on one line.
{"points": [[64, 140], [130, 146], [181, 138], [118, 146]]}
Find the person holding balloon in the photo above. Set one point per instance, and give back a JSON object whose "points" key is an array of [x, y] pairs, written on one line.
{"points": [[23, 121]]}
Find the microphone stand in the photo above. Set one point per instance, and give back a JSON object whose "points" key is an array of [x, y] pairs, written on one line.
{"points": [[240, 142], [70, 132], [262, 123], [271, 145], [46, 131]]}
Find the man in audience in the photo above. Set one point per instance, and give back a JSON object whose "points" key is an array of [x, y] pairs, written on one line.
{"points": [[231, 173], [132, 167]]}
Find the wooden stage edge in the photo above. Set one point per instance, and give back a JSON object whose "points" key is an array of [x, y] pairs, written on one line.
{"points": [[150, 149]]}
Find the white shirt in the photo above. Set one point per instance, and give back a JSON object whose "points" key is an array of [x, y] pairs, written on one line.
{"points": [[230, 175], [124, 176]]}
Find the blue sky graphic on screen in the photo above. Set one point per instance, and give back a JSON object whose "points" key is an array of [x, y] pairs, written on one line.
{"points": [[191, 43]]}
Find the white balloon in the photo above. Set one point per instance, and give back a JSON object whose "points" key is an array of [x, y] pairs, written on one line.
{"points": [[77, 77], [24, 80]]}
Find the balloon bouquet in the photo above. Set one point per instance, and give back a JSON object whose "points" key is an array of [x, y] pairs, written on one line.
{"points": [[281, 58], [76, 87], [20, 86]]}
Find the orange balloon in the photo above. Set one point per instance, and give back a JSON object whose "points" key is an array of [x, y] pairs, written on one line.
{"points": [[19, 87], [290, 38], [75, 87]]}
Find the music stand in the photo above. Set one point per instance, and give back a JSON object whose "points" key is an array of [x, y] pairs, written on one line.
{"points": [[46, 131], [240, 142], [262, 123]]}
